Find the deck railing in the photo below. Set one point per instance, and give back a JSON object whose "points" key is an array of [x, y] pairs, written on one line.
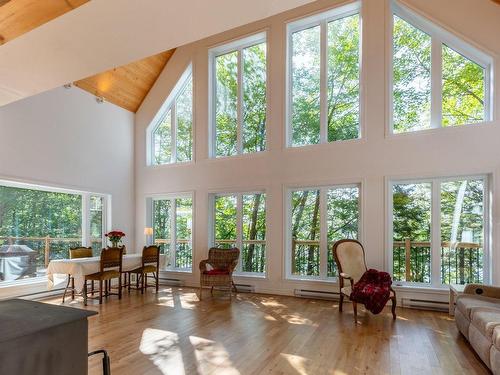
{"points": [[47, 247], [461, 262], [253, 254], [183, 256]]}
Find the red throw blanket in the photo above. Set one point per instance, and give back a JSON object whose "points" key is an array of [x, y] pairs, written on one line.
{"points": [[372, 290]]}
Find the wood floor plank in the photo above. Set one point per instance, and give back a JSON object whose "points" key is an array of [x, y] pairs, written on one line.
{"points": [[172, 332]]}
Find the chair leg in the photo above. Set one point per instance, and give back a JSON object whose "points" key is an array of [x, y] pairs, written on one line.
{"points": [[137, 280], [100, 292], [129, 279], [66, 289], [92, 291], [85, 293], [355, 308], [393, 307], [341, 302], [119, 287], [201, 290], [146, 282], [212, 291], [72, 289], [157, 277], [142, 283]]}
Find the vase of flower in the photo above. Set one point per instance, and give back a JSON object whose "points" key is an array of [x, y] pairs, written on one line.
{"points": [[115, 237]]}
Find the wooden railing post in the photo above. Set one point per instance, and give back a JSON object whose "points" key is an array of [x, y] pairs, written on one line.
{"points": [[10, 241], [47, 251], [407, 259]]}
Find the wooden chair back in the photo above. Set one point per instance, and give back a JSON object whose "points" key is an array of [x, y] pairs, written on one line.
{"points": [[151, 254], [80, 252], [350, 258], [111, 258], [225, 259]]}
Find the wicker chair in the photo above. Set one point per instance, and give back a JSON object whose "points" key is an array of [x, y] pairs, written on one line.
{"points": [[219, 273], [77, 252], [110, 268], [150, 264], [350, 258]]}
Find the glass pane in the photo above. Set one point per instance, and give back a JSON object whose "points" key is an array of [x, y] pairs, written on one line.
{"points": [[342, 219], [254, 233], [254, 98], [463, 89], [343, 79], [305, 74], [184, 113], [225, 221], [162, 140], [412, 232], [411, 78], [462, 231], [96, 223], [183, 227], [305, 232], [226, 121], [46, 225], [162, 226]]}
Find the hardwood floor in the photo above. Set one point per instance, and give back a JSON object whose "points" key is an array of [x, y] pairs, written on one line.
{"points": [[174, 333]]}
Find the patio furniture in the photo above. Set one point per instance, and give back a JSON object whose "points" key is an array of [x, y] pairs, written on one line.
{"points": [[217, 270], [17, 262]]}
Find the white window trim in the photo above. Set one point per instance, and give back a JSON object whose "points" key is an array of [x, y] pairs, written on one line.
{"points": [[239, 227], [170, 104], [322, 19], [173, 235], [235, 45], [438, 36], [85, 222], [323, 228], [435, 281]]}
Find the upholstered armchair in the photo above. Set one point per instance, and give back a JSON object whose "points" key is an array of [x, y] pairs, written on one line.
{"points": [[350, 258], [217, 270]]}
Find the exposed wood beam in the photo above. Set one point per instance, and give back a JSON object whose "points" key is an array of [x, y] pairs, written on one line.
{"points": [[18, 17], [128, 85]]}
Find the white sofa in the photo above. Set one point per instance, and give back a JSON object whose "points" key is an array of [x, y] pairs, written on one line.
{"points": [[477, 315]]}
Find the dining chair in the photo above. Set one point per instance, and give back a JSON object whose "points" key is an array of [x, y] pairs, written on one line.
{"points": [[349, 256], [217, 270], [110, 268], [74, 253], [150, 264]]}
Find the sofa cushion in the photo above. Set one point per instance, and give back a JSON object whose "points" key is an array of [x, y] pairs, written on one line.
{"points": [[494, 364], [462, 323], [466, 303], [496, 337], [485, 320], [481, 344]]}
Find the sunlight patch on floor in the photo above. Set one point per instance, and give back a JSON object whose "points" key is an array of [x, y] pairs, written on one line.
{"points": [[166, 301], [297, 319], [188, 299], [298, 363], [212, 357], [162, 348]]}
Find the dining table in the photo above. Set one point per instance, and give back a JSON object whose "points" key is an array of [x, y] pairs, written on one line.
{"points": [[59, 269]]}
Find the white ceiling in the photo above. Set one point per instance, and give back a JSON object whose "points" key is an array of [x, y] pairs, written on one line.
{"points": [[103, 34]]}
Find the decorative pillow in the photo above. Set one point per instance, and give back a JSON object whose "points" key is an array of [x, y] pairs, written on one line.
{"points": [[216, 272]]}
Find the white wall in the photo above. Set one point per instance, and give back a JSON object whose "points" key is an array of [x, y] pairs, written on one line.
{"points": [[64, 138], [445, 152]]}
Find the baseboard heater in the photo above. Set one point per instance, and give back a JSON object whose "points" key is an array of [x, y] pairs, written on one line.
{"points": [[307, 293], [423, 304], [245, 288], [170, 281]]}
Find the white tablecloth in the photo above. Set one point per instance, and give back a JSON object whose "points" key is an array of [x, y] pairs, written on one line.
{"points": [[80, 267]]}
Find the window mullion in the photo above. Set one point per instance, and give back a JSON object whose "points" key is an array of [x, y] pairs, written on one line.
{"points": [[323, 232], [173, 132], [173, 234], [86, 240], [239, 130], [436, 234], [239, 228], [436, 83], [323, 82]]}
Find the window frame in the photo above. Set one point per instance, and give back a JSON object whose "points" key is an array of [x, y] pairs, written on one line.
{"points": [[239, 226], [173, 220], [435, 238], [170, 104], [323, 215], [238, 44], [86, 239], [322, 19], [439, 37]]}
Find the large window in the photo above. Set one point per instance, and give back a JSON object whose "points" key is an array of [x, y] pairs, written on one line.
{"points": [[172, 221], [38, 224], [317, 217], [239, 220], [438, 230], [437, 79], [172, 130], [238, 96], [324, 78]]}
